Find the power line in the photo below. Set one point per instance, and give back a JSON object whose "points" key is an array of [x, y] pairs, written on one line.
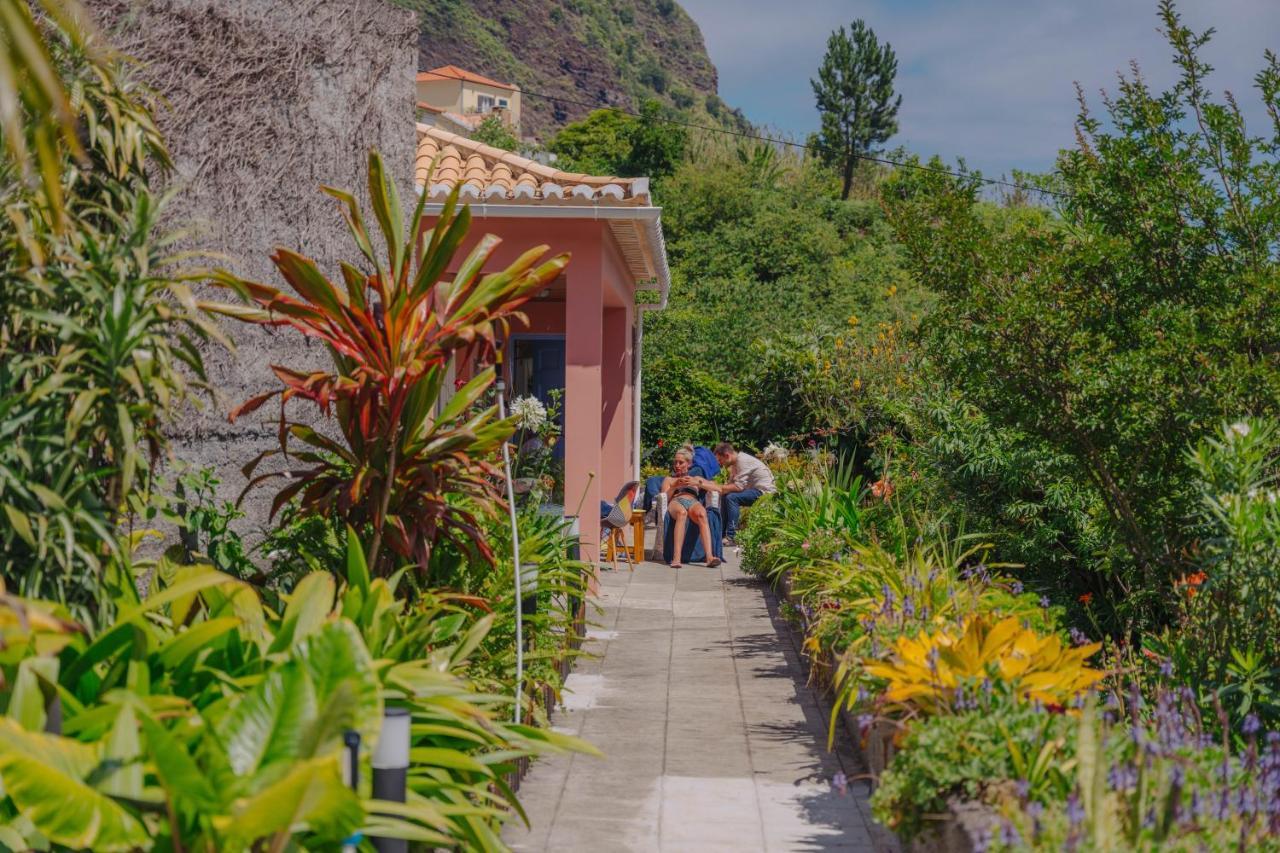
{"points": [[818, 149]]}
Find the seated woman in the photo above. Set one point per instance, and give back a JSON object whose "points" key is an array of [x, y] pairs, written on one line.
{"points": [[683, 506]]}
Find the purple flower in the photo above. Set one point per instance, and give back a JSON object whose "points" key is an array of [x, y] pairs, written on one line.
{"points": [[1252, 725], [1016, 587], [1044, 602], [1166, 668], [1078, 637], [1009, 835], [1075, 811], [1023, 787], [864, 722]]}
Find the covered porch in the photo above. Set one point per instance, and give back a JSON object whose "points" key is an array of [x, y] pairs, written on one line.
{"points": [[585, 331]]}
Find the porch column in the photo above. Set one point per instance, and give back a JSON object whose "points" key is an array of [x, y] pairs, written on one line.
{"points": [[615, 414], [584, 305]]}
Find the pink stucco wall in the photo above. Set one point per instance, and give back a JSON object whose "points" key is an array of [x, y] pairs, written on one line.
{"points": [[596, 317]]}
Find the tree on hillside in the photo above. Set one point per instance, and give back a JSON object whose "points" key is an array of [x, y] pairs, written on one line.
{"points": [[854, 92], [610, 142]]}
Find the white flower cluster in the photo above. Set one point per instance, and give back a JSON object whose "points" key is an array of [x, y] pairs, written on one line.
{"points": [[774, 452], [530, 411]]}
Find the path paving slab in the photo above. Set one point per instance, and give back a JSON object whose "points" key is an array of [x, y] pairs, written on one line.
{"points": [[712, 737]]}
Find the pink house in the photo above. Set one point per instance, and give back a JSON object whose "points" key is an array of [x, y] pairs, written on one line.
{"points": [[585, 331]]}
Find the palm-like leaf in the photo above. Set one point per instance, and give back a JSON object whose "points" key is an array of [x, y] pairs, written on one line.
{"points": [[35, 112], [393, 327]]}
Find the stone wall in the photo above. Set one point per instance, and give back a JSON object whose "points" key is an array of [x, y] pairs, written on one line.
{"points": [[264, 101]]}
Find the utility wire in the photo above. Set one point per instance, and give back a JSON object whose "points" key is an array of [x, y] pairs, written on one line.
{"points": [[817, 149]]}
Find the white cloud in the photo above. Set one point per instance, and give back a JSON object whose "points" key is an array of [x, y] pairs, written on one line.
{"points": [[990, 80]]}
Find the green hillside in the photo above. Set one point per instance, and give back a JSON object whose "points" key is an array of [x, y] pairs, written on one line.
{"points": [[589, 51]]}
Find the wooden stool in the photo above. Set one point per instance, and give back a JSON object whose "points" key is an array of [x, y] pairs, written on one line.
{"points": [[636, 549]]}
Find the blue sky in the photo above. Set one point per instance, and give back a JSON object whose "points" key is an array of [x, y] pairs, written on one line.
{"points": [[989, 80]]}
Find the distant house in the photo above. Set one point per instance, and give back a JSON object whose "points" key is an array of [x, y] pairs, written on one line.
{"points": [[585, 332], [457, 100]]}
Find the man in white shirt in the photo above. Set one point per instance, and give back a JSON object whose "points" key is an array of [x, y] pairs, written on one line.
{"points": [[749, 478]]}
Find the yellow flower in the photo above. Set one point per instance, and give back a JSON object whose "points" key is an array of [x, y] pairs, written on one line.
{"points": [[839, 343], [826, 367], [893, 288], [853, 321], [922, 671], [857, 384]]}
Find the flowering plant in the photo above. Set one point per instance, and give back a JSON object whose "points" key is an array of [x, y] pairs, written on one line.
{"points": [[1160, 782], [529, 413], [933, 672]]}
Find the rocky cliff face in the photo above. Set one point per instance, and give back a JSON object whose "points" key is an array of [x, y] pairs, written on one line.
{"points": [[592, 53]]}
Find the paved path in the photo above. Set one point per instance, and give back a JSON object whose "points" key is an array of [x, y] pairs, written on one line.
{"points": [[712, 739]]}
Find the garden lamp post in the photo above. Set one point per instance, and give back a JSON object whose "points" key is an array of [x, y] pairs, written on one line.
{"points": [[391, 768], [501, 386]]}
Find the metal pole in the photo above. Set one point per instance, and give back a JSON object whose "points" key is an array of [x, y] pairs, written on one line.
{"points": [[391, 769], [515, 536]]}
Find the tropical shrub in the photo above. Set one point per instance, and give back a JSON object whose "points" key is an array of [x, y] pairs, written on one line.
{"points": [[412, 463], [201, 719]]}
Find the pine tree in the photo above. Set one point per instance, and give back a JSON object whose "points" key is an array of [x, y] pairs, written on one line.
{"points": [[854, 91]]}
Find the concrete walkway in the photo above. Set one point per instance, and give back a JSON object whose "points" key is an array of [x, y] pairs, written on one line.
{"points": [[712, 738]]}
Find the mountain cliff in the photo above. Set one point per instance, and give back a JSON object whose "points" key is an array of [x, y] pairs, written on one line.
{"points": [[592, 53]]}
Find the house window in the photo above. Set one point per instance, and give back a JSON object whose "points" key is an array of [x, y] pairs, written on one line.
{"points": [[502, 102], [484, 103]]}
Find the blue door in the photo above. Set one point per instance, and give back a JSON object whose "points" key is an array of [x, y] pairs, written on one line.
{"points": [[537, 369]]}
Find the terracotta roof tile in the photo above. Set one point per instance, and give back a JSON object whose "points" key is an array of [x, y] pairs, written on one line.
{"points": [[491, 173], [453, 72]]}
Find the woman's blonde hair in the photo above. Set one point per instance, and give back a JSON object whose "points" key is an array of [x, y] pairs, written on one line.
{"points": [[686, 450]]}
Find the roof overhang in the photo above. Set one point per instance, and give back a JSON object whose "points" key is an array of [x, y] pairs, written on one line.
{"points": [[638, 231]]}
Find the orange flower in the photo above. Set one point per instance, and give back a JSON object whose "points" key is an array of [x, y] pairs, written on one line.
{"points": [[1192, 582], [1086, 598]]}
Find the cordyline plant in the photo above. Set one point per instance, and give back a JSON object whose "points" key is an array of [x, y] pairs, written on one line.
{"points": [[411, 475]]}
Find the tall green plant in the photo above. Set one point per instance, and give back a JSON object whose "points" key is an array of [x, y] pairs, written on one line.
{"points": [[97, 344], [411, 464]]}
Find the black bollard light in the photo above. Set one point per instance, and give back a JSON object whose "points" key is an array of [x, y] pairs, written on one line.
{"points": [[391, 769], [528, 598], [577, 606], [529, 589], [351, 775]]}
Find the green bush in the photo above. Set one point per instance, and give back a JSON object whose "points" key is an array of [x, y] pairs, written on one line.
{"points": [[684, 402], [978, 756], [1132, 325]]}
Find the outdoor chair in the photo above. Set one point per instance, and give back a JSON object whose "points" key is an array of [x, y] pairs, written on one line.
{"points": [[617, 519]]}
